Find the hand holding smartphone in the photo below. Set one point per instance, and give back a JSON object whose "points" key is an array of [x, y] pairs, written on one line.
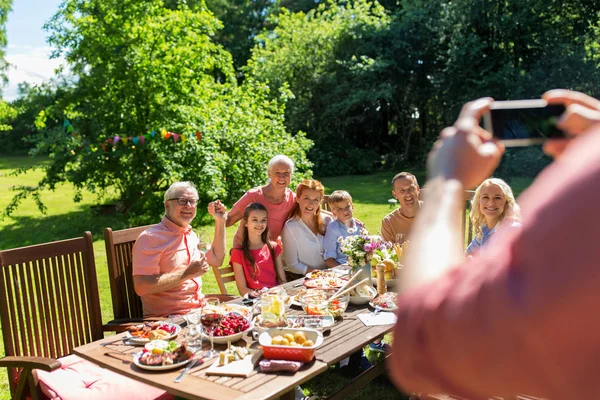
{"points": [[524, 122]]}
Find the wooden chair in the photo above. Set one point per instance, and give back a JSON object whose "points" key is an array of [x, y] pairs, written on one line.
{"points": [[325, 203], [127, 305], [223, 275], [49, 304]]}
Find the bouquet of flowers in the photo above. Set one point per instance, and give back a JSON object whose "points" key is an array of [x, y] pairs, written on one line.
{"points": [[365, 249]]}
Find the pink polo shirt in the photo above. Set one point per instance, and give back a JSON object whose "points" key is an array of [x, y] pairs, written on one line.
{"points": [[164, 248], [522, 315], [277, 214]]}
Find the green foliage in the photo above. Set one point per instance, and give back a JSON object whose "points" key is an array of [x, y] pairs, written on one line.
{"points": [[142, 67], [323, 57], [5, 8], [243, 20], [390, 80], [522, 161]]}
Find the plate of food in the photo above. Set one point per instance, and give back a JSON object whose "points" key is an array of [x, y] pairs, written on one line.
{"points": [[245, 311], [321, 273], [296, 300], [163, 357], [156, 330], [324, 283], [362, 294], [231, 328], [386, 301]]}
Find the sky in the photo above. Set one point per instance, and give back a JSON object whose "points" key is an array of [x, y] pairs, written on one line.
{"points": [[27, 50]]}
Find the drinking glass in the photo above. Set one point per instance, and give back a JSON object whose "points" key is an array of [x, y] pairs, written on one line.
{"points": [[210, 319], [194, 334], [204, 243]]}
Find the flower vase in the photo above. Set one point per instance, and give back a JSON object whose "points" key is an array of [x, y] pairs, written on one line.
{"points": [[366, 273]]}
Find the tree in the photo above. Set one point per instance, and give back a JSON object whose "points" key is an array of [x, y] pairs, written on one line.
{"points": [[325, 59], [142, 70]]}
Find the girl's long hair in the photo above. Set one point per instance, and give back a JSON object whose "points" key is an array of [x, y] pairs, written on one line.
{"points": [[311, 184], [264, 237], [510, 214]]}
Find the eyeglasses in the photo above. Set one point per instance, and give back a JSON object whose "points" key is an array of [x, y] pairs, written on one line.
{"points": [[182, 201]]}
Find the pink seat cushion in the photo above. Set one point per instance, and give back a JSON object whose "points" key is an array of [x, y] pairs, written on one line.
{"points": [[80, 379]]}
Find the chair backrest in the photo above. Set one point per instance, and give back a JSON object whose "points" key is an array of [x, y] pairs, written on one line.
{"points": [[223, 274], [325, 203], [49, 302], [466, 226], [127, 305]]}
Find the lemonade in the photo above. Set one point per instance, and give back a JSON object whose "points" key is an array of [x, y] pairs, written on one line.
{"points": [[273, 305]]}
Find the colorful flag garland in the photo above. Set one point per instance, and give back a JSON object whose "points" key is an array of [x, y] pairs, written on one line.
{"points": [[132, 140]]}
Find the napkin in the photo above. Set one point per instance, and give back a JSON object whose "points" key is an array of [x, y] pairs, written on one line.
{"points": [[383, 318], [279, 365]]}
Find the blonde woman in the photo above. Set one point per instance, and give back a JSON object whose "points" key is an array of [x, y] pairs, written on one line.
{"points": [[493, 207]]}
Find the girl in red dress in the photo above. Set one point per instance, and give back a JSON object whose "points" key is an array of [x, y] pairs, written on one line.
{"points": [[257, 264]]}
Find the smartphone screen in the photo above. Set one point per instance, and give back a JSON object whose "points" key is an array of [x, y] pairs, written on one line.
{"points": [[524, 122]]}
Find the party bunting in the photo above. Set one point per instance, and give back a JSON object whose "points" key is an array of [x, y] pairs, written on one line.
{"points": [[133, 140]]}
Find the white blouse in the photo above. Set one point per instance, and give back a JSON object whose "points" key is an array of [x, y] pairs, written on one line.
{"points": [[301, 247]]}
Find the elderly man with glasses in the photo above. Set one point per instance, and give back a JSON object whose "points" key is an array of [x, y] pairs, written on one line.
{"points": [[167, 261]]}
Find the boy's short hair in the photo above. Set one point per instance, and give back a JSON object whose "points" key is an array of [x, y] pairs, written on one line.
{"points": [[338, 196]]}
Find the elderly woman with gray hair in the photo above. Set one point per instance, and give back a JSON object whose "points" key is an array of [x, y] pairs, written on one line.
{"points": [[276, 196]]}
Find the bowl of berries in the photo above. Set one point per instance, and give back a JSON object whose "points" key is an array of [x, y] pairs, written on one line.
{"points": [[231, 328]]}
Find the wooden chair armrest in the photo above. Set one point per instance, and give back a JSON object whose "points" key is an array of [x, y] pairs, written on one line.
{"points": [[46, 364]]}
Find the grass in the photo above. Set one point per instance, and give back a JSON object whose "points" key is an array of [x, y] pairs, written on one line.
{"points": [[67, 219]]}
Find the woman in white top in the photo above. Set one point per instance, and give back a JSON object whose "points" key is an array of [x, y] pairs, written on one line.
{"points": [[302, 235]]}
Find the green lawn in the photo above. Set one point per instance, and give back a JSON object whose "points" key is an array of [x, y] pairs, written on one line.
{"points": [[67, 219]]}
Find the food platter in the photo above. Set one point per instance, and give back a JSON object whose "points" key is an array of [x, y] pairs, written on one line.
{"points": [[324, 283], [225, 308], [321, 273], [136, 361], [386, 301], [160, 355], [237, 322], [143, 335]]}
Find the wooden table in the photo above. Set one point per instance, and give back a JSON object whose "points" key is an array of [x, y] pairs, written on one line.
{"points": [[345, 338]]}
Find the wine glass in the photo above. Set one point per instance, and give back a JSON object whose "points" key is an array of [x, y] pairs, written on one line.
{"points": [[210, 319], [204, 243]]}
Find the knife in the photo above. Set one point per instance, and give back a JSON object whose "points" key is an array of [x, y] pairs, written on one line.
{"points": [[190, 366]]}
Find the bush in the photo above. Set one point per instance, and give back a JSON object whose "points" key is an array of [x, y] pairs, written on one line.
{"points": [[522, 161], [343, 160]]}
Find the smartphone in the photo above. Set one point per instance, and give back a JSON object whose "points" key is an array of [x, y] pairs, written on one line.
{"points": [[524, 122]]}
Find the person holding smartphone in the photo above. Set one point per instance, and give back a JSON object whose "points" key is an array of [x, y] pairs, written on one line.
{"points": [[520, 316]]}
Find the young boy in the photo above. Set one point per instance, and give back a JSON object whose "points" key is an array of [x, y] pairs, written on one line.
{"points": [[340, 203]]}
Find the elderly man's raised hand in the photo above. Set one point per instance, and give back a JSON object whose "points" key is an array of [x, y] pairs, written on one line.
{"points": [[217, 210], [582, 112], [465, 151], [197, 268]]}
